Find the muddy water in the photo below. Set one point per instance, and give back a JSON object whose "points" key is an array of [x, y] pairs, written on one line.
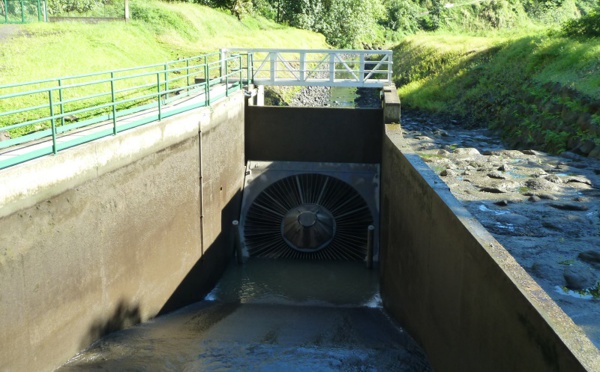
{"points": [[269, 316]]}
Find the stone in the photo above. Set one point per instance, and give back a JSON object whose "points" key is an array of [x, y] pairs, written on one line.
{"points": [[470, 151], [553, 178], [592, 257], [546, 271], [569, 207], [540, 184], [578, 277], [504, 168], [534, 198], [583, 180], [4, 136], [447, 173], [529, 152], [496, 175], [502, 203], [493, 189], [571, 155]]}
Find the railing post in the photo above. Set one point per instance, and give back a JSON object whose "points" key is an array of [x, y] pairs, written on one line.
{"points": [[331, 66], [302, 66], [226, 80], [241, 71], [6, 11], [249, 69], [159, 97], [223, 67], [60, 99], [166, 82], [206, 83], [273, 56], [52, 123], [39, 9], [361, 69], [187, 74], [114, 104], [22, 12], [390, 67]]}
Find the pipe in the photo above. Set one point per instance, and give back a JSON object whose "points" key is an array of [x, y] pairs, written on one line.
{"points": [[370, 234], [237, 243]]}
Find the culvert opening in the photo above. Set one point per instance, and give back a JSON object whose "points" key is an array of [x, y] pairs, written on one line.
{"points": [[307, 215]]}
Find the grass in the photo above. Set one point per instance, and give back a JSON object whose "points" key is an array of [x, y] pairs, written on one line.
{"points": [[519, 82], [158, 32]]}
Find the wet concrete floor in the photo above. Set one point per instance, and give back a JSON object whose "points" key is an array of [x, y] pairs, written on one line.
{"points": [[269, 316]]}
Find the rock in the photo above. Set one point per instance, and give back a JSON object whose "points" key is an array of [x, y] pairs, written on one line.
{"points": [[447, 173], [441, 133], [571, 155], [443, 152], [470, 151], [547, 197], [502, 203], [504, 168], [553, 178], [540, 184], [4, 136], [496, 175], [592, 257], [534, 198], [529, 152], [579, 180], [546, 271], [579, 277], [569, 207]]}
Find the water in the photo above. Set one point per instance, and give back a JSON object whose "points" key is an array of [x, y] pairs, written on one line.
{"points": [[269, 316]]}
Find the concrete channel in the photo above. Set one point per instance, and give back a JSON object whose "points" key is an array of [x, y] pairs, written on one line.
{"points": [[118, 231]]}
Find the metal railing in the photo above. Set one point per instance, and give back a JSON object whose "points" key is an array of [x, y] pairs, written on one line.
{"points": [[299, 67], [47, 116], [22, 11]]}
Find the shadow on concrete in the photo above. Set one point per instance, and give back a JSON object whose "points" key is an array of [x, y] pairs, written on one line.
{"points": [[125, 315], [207, 271]]}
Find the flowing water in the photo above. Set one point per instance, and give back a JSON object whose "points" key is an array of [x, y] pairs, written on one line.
{"points": [[269, 315]]}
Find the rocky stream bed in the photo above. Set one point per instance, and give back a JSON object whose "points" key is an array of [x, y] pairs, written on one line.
{"points": [[544, 209]]}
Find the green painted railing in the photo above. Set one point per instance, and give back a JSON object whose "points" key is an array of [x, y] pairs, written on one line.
{"points": [[22, 11], [42, 116]]}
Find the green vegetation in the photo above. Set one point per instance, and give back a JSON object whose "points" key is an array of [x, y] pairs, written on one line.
{"points": [[539, 88], [158, 32]]}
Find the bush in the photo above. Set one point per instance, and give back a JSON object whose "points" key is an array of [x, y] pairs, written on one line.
{"points": [[586, 26]]}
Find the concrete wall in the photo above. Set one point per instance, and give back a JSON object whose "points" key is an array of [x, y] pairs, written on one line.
{"points": [[456, 289], [314, 134], [113, 232]]}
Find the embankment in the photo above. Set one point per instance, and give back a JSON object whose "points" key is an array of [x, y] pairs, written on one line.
{"points": [[539, 90]]}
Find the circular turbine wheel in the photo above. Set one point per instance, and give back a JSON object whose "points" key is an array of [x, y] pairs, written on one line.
{"points": [[310, 216]]}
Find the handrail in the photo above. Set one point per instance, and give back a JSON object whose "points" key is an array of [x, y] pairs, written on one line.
{"points": [[318, 67], [40, 116]]}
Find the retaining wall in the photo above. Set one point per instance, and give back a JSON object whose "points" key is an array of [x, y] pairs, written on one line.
{"points": [[456, 289], [113, 232]]}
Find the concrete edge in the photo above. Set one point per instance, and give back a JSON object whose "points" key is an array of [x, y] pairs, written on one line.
{"points": [[569, 333], [26, 184]]}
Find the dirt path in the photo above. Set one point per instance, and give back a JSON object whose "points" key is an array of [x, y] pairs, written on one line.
{"points": [[8, 31]]}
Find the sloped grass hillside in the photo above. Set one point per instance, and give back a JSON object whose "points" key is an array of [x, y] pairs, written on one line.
{"points": [[540, 89], [158, 32]]}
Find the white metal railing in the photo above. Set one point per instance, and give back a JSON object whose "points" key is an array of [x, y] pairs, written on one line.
{"points": [[317, 67]]}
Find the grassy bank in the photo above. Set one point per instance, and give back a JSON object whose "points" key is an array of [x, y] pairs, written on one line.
{"points": [[157, 33], [540, 89]]}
